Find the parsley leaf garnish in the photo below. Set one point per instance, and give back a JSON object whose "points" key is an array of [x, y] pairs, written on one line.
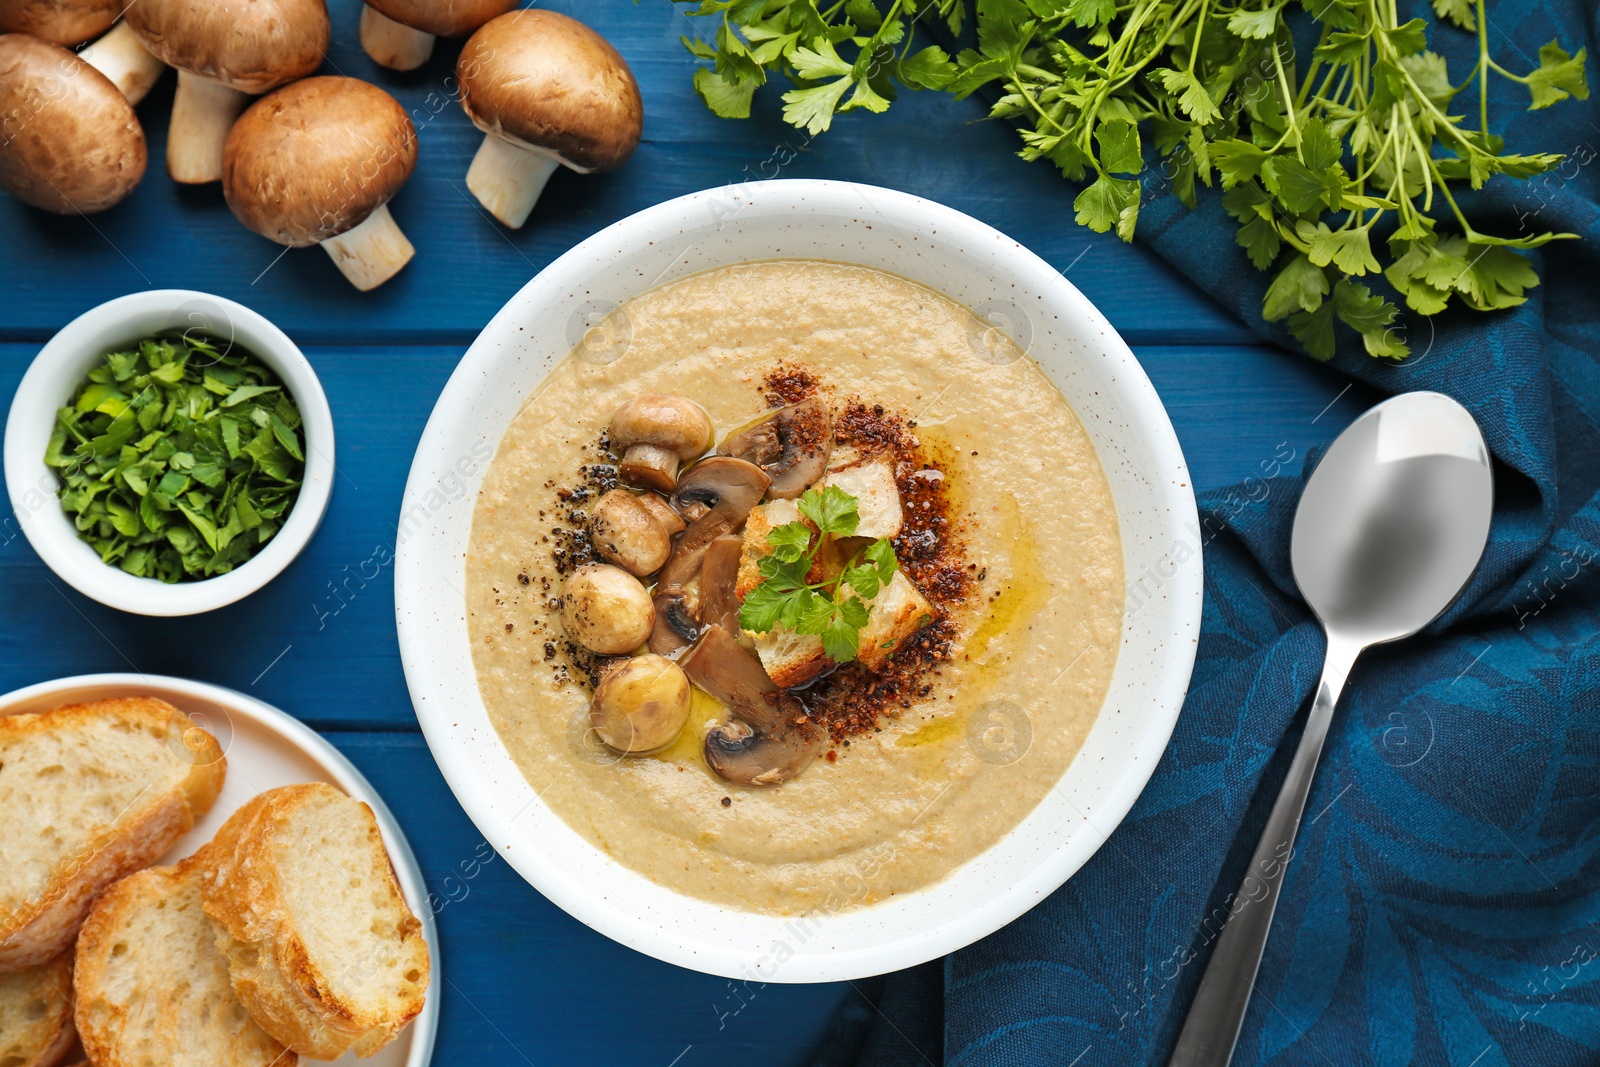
{"points": [[834, 610], [178, 459], [1319, 158]]}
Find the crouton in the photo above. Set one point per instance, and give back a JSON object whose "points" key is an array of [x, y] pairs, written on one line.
{"points": [[898, 611], [829, 560], [877, 496]]}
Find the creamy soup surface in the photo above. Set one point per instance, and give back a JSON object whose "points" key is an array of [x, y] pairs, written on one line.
{"points": [[896, 809]]}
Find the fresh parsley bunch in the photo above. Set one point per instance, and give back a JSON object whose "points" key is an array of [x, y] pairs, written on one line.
{"points": [[834, 610], [178, 460], [1337, 169]]}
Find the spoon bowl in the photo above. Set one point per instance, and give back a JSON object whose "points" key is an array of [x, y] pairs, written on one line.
{"points": [[1394, 519], [1390, 527]]}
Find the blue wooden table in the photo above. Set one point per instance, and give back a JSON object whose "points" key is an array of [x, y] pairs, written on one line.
{"points": [[521, 980]]}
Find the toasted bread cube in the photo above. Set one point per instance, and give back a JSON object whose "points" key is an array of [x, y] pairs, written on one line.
{"points": [[791, 659], [827, 563], [877, 497], [898, 611]]}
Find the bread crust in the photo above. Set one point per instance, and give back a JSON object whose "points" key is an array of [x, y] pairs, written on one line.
{"points": [[104, 1016], [274, 974], [42, 927], [45, 1042]]}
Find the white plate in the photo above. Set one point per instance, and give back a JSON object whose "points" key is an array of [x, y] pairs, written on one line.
{"points": [[266, 748], [947, 251]]}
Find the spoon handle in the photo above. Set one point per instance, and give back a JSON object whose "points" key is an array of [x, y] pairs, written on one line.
{"points": [[1212, 1027]]}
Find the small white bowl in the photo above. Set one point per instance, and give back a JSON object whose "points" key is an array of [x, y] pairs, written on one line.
{"points": [[61, 367]]}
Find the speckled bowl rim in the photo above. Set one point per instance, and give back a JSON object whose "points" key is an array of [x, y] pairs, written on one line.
{"points": [[976, 265]]}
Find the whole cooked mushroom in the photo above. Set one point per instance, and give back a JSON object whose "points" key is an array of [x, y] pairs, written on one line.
{"points": [[625, 531], [225, 51], [316, 163], [722, 490], [641, 705], [670, 520], [546, 90], [655, 435], [606, 610], [792, 444], [69, 141], [399, 34], [768, 741]]}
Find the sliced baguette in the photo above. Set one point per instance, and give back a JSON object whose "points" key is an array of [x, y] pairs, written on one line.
{"points": [[321, 946], [152, 987], [36, 1014], [90, 793]]}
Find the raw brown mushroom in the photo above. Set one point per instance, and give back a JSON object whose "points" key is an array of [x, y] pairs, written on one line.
{"points": [[547, 91], [725, 489], [792, 445], [124, 59], [225, 51], [641, 705], [63, 22], [655, 435], [316, 163], [626, 532], [399, 34], [71, 143], [606, 610]]}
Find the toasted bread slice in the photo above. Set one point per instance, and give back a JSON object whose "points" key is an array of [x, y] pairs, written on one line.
{"points": [[88, 794], [321, 947], [877, 496], [152, 987], [36, 1014], [898, 611]]}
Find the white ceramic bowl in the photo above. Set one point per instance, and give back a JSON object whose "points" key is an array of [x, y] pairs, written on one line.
{"points": [[975, 265], [266, 748], [60, 368]]}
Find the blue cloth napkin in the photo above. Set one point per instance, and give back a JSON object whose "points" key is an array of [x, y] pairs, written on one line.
{"points": [[1444, 903]]}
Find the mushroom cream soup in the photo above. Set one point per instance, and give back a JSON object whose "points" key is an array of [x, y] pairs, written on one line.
{"points": [[985, 652]]}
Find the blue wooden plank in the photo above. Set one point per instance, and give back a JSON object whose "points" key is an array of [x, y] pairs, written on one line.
{"points": [[526, 982], [466, 266], [326, 625]]}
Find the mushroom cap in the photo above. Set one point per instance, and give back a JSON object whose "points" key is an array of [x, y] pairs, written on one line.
{"points": [[315, 158], [547, 81], [606, 610], [69, 140], [641, 705], [442, 18], [674, 423], [251, 45], [64, 22], [626, 532]]}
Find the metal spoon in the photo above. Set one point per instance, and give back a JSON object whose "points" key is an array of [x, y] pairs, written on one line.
{"points": [[1389, 529]]}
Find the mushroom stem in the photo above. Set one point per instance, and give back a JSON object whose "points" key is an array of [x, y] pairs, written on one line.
{"points": [[125, 62], [202, 114], [508, 178], [371, 253], [393, 44]]}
